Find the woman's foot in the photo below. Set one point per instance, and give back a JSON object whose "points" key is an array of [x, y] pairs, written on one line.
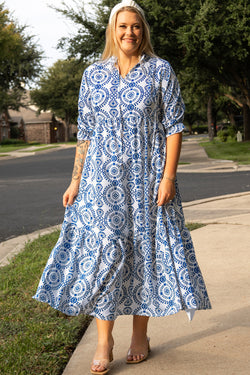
{"points": [[103, 356], [139, 349]]}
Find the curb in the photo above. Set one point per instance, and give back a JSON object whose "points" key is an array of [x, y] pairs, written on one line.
{"points": [[213, 199], [11, 247], [21, 154]]}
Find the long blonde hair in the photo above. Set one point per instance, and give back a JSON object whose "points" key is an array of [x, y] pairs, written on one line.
{"points": [[111, 46]]}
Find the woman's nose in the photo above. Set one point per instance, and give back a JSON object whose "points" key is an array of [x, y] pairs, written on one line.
{"points": [[129, 30]]}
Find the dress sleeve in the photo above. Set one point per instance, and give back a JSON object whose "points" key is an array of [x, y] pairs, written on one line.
{"points": [[86, 120], [172, 108]]}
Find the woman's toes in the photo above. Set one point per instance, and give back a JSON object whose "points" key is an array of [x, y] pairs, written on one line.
{"points": [[98, 368]]}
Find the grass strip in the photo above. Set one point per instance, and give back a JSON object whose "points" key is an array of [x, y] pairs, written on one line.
{"points": [[236, 151], [40, 149], [34, 338], [9, 148]]}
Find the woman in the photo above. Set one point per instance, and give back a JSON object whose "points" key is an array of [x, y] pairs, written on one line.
{"points": [[123, 247]]}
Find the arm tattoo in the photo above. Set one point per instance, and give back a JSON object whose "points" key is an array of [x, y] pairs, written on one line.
{"points": [[81, 152]]}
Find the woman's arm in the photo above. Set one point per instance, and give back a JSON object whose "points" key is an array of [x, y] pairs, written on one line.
{"points": [[72, 191], [166, 190]]}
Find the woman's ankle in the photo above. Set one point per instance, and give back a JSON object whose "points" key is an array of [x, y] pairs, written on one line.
{"points": [[106, 341]]}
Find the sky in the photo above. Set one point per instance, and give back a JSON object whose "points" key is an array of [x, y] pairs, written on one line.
{"points": [[45, 23]]}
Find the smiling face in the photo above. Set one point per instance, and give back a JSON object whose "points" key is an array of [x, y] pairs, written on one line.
{"points": [[128, 32]]}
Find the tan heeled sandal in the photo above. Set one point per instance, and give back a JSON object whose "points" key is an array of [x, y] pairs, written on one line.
{"points": [[103, 363], [143, 356]]}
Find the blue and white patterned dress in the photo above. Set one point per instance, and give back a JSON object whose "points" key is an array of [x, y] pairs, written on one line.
{"points": [[118, 252]]}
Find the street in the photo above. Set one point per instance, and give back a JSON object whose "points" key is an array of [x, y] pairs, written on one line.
{"points": [[31, 190]]}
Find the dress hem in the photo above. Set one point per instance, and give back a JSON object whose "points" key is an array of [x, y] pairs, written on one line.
{"points": [[95, 315]]}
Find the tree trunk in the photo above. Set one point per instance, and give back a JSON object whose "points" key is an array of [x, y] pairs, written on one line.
{"points": [[246, 122], [210, 118], [231, 118], [67, 125]]}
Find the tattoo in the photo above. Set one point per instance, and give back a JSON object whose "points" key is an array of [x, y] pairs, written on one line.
{"points": [[81, 152], [81, 142]]}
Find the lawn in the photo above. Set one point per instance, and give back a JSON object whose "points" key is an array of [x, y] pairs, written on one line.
{"points": [[34, 338], [236, 151], [9, 148]]}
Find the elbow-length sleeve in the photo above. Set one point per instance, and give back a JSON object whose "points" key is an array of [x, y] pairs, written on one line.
{"points": [[172, 105], [86, 119]]}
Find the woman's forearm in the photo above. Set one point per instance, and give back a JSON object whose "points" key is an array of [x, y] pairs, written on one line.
{"points": [[173, 149], [81, 152]]}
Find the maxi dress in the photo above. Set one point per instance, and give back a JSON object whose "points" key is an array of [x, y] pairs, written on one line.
{"points": [[118, 252]]}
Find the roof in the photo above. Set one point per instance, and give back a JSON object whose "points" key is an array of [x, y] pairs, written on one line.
{"points": [[29, 115]]}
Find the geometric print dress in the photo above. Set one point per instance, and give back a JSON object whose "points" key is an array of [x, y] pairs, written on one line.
{"points": [[118, 252]]}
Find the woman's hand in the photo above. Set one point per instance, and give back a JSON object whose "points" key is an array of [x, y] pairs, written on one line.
{"points": [[166, 192], [70, 194]]}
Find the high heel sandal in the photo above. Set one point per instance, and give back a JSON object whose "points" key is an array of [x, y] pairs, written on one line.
{"points": [[103, 363], [144, 356]]}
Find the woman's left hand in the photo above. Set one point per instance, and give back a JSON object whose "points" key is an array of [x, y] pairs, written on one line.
{"points": [[166, 192]]}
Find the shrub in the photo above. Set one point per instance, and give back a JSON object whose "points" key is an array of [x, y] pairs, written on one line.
{"points": [[11, 141], [228, 134]]}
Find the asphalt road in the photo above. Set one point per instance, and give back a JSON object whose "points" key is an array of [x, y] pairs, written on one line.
{"points": [[31, 190]]}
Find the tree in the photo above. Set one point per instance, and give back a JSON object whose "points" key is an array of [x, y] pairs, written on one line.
{"points": [[58, 90], [216, 39], [87, 44], [20, 61], [210, 38]]}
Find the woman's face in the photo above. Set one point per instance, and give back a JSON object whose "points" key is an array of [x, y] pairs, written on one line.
{"points": [[128, 32]]}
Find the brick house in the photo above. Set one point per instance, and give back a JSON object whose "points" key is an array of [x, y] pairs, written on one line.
{"points": [[43, 127]]}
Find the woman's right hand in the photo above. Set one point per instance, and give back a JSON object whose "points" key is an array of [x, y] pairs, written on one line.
{"points": [[70, 194]]}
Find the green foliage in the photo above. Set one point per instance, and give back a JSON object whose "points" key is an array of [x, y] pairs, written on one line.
{"points": [[19, 60], [35, 339], [228, 134], [217, 44], [207, 42], [58, 89], [12, 142]]}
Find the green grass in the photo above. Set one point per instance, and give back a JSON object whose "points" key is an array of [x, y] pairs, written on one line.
{"points": [[9, 148], [236, 151], [193, 226], [34, 338], [40, 149]]}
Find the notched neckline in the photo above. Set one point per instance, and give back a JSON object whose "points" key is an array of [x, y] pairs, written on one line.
{"points": [[115, 64]]}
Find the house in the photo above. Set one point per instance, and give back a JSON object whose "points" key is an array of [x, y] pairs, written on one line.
{"points": [[42, 128], [31, 126]]}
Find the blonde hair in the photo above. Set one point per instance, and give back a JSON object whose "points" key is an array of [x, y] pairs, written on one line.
{"points": [[111, 46]]}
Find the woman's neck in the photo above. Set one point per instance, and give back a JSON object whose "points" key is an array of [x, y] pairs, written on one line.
{"points": [[126, 62]]}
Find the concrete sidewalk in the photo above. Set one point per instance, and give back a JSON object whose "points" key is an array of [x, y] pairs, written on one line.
{"points": [[217, 341], [34, 150]]}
